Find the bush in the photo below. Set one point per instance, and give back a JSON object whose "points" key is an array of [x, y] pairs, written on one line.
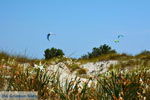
{"points": [[103, 49], [145, 52], [145, 55], [53, 52]]}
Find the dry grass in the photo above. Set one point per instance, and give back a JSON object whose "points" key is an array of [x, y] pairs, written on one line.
{"points": [[117, 84], [113, 85], [107, 57]]}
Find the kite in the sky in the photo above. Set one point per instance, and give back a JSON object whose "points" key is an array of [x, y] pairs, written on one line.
{"points": [[119, 36], [48, 35], [116, 41]]}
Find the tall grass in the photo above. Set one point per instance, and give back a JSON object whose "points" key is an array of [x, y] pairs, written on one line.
{"points": [[116, 84], [113, 85]]}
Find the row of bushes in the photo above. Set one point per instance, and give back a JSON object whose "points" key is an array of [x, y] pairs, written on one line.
{"points": [[103, 49], [96, 52]]}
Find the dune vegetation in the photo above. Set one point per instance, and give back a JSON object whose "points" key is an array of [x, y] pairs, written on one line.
{"points": [[129, 79]]}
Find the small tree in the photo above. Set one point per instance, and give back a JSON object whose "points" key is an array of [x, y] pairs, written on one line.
{"points": [[53, 52], [103, 49]]}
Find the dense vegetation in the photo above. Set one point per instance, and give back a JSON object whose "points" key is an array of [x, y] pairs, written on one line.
{"points": [[103, 49], [112, 85], [128, 80], [53, 52]]}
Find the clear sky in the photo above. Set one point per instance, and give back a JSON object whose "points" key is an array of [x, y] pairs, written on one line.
{"points": [[79, 25]]}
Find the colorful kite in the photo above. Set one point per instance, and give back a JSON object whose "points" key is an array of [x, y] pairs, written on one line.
{"points": [[48, 36], [119, 36], [116, 41]]}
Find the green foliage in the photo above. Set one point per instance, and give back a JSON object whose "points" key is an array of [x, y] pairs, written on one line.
{"points": [[53, 52], [121, 83], [103, 49]]}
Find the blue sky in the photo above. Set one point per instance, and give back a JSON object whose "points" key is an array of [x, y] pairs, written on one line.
{"points": [[79, 25]]}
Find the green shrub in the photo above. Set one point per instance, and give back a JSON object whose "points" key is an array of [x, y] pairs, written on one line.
{"points": [[53, 52], [103, 49]]}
